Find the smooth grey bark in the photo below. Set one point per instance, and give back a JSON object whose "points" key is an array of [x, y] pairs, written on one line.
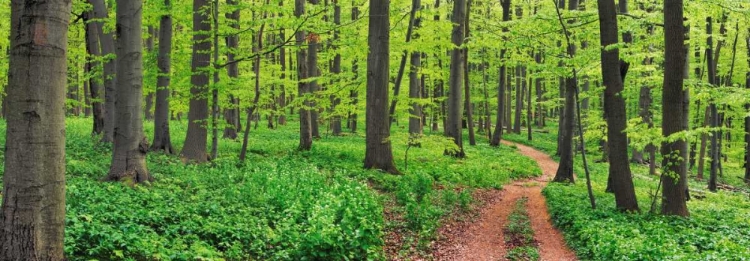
{"points": [[148, 110], [415, 88], [336, 68], [197, 133], [499, 121], [107, 42], [455, 110], [619, 166], [378, 151], [306, 135], [354, 94], [467, 87], [674, 153], [282, 61], [232, 112], [402, 64], [713, 112], [162, 137], [214, 88], [95, 84], [565, 169], [33, 207], [130, 144]]}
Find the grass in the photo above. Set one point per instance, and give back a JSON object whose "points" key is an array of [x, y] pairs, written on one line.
{"points": [[718, 228], [519, 236], [281, 204]]}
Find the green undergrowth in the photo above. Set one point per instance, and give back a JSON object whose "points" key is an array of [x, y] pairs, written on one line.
{"points": [[281, 204], [519, 236], [718, 228]]}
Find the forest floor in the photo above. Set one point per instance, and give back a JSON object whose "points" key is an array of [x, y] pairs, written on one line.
{"points": [[484, 238]]}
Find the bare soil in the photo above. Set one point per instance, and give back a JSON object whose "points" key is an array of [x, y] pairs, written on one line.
{"points": [[482, 238]]}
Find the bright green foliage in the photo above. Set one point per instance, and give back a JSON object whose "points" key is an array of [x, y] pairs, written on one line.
{"points": [[283, 205], [718, 227]]}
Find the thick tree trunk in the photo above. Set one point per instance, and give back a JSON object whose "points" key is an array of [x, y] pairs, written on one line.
{"points": [[619, 167], [197, 133], [455, 110], [378, 152], [162, 137], [95, 84], [130, 144], [565, 169], [499, 121], [107, 42], [33, 207], [232, 113], [674, 179]]}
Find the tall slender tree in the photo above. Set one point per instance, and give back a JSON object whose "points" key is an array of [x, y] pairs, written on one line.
{"points": [[33, 208], [162, 137], [415, 88], [499, 121], [107, 42], [92, 62], [565, 170], [674, 152], [130, 145], [232, 113], [378, 151], [455, 110], [747, 119], [197, 133]]}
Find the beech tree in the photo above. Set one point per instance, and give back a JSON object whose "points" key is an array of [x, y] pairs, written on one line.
{"points": [[378, 152], [130, 144], [107, 42], [619, 167], [162, 137], [674, 152], [565, 170], [455, 110], [197, 133], [33, 208]]}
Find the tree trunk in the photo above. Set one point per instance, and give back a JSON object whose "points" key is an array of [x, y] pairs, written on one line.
{"points": [[713, 112], [107, 42], [95, 84], [747, 121], [378, 152], [619, 167], [33, 207], [499, 121], [197, 133], [130, 145], [455, 110], [306, 136], [415, 88], [675, 152], [565, 170], [519, 100], [402, 64], [282, 62], [232, 113], [214, 86], [148, 110], [467, 86], [336, 68], [257, 46], [162, 137]]}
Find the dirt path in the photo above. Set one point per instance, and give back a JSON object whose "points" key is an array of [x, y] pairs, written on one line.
{"points": [[483, 239]]}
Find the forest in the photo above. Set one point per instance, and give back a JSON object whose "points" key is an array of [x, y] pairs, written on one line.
{"points": [[375, 130]]}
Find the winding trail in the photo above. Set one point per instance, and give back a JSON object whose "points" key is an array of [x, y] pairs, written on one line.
{"points": [[483, 239]]}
